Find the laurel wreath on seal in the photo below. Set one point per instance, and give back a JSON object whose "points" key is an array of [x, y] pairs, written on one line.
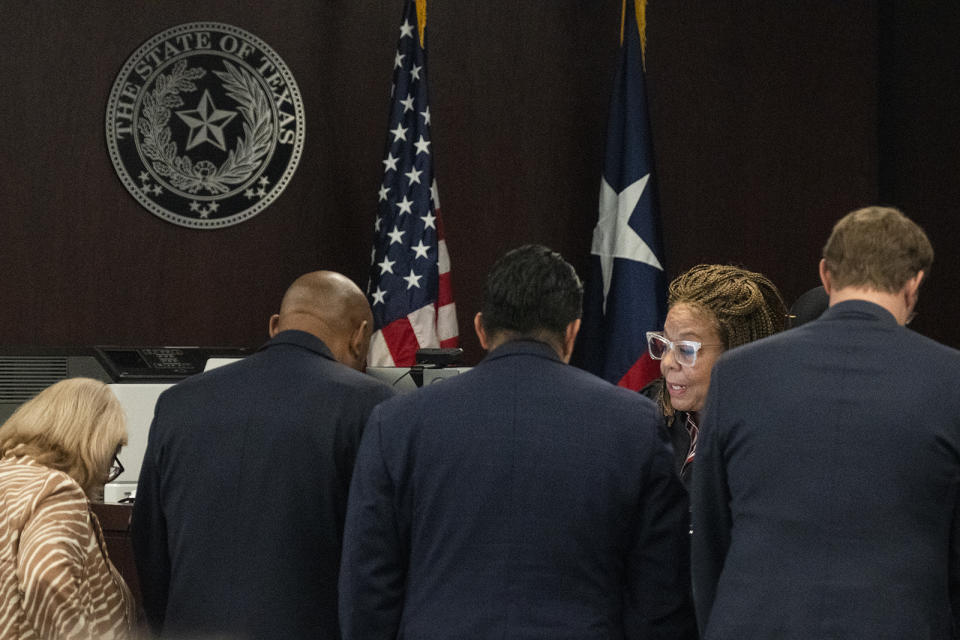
{"points": [[242, 161]]}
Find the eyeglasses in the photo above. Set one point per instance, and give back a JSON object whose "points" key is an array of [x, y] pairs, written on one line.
{"points": [[684, 351], [115, 470]]}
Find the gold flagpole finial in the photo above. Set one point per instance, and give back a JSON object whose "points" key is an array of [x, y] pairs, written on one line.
{"points": [[640, 8], [421, 18], [623, 19]]}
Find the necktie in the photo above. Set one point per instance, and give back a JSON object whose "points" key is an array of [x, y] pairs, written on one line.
{"points": [[693, 431]]}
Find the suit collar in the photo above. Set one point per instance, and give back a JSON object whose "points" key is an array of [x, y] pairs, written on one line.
{"points": [[860, 309], [523, 347], [300, 339]]}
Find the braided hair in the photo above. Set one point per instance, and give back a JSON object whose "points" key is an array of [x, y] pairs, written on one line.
{"points": [[746, 305]]}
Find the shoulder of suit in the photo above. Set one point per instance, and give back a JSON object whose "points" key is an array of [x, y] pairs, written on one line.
{"points": [[366, 383], [570, 381], [925, 342], [595, 385]]}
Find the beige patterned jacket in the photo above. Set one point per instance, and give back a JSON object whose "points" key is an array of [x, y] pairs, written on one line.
{"points": [[56, 580]]}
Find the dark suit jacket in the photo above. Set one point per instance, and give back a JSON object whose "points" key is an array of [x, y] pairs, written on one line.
{"points": [[242, 494], [825, 487], [523, 499]]}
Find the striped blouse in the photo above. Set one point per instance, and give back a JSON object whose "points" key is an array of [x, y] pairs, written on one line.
{"points": [[56, 580]]}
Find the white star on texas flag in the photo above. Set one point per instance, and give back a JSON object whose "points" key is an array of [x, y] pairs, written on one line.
{"points": [[613, 237]]}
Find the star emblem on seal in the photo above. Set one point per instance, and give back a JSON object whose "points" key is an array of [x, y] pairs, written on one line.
{"points": [[206, 123]]}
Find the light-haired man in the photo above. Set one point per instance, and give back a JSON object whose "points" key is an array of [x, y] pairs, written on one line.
{"points": [[828, 467]]}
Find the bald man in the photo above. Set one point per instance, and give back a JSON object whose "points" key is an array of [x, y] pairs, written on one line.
{"points": [[242, 495]]}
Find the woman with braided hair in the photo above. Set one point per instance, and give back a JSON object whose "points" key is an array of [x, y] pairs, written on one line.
{"points": [[712, 308]]}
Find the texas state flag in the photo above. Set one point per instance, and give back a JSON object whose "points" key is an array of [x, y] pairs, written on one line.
{"points": [[626, 291]]}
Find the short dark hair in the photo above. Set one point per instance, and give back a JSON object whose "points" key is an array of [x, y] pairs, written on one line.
{"points": [[531, 290]]}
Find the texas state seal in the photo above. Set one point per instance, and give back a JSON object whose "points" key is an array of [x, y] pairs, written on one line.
{"points": [[205, 125]]}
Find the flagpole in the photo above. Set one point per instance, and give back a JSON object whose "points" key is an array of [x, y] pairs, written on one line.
{"points": [[625, 295]]}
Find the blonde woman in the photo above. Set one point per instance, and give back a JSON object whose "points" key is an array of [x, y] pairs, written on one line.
{"points": [[56, 579]]}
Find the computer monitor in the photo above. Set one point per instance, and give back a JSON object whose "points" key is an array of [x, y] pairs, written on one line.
{"points": [[407, 379]]}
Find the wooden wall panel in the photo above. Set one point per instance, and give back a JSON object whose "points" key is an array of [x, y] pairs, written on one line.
{"points": [[765, 120], [919, 103]]}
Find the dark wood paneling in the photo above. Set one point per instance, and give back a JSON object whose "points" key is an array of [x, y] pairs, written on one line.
{"points": [[765, 120], [765, 123], [84, 263], [920, 143]]}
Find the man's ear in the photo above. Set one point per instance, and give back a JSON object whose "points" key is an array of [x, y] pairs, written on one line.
{"points": [[825, 275], [357, 341], [569, 339], [915, 282], [273, 325], [481, 332], [911, 290]]}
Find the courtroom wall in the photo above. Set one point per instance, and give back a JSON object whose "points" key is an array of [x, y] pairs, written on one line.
{"points": [[919, 143], [766, 121]]}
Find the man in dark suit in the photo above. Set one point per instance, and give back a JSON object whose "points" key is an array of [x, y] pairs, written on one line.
{"points": [[826, 488], [523, 499], [238, 521]]}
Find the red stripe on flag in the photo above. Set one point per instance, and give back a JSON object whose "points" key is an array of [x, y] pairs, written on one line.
{"points": [[450, 343], [444, 290], [643, 371], [402, 342]]}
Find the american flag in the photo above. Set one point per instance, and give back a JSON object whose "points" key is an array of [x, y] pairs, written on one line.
{"points": [[409, 288]]}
